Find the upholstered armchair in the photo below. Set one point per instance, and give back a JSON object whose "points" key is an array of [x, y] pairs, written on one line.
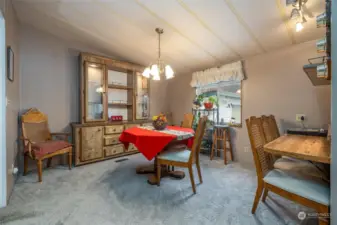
{"points": [[39, 143]]}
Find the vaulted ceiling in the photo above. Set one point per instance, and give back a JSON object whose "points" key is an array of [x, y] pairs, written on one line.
{"points": [[198, 34]]}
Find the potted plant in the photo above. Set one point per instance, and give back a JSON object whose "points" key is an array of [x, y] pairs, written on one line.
{"points": [[198, 101], [212, 100]]}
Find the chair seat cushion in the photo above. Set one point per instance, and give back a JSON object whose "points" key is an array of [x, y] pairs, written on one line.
{"points": [[176, 155], [301, 167], [313, 189], [44, 148]]}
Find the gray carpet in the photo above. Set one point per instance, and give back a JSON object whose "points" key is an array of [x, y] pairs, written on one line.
{"points": [[112, 193]]}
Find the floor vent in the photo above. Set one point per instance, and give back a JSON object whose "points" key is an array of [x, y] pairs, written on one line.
{"points": [[121, 160]]}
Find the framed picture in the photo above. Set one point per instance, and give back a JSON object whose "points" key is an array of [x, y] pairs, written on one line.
{"points": [[10, 64]]}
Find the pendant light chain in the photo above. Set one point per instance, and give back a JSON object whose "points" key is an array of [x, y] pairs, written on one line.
{"points": [[159, 46]]}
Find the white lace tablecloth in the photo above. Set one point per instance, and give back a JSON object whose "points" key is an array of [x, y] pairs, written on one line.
{"points": [[181, 135]]}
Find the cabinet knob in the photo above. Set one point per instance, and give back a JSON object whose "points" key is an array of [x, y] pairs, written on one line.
{"points": [[99, 130]]}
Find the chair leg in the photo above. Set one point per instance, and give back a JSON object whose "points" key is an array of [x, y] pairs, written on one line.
{"points": [[25, 164], [199, 172], [213, 144], [172, 168], [230, 144], [39, 169], [70, 159], [224, 147], [258, 194], [265, 194], [190, 170], [49, 162], [322, 222], [158, 173]]}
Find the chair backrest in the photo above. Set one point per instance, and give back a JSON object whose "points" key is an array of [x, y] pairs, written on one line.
{"points": [[188, 120], [257, 141], [198, 138], [35, 126], [270, 129]]}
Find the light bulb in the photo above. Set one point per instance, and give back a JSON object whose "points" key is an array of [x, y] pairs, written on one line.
{"points": [[238, 91], [147, 72], [154, 70], [299, 26], [169, 72], [99, 90]]}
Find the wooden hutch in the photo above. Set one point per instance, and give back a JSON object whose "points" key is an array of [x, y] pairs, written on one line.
{"points": [[108, 88]]}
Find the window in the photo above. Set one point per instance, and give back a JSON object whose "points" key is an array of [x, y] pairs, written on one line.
{"points": [[228, 101]]}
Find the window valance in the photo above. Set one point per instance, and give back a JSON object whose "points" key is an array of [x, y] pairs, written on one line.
{"points": [[227, 72]]}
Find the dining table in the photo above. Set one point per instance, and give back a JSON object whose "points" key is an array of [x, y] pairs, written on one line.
{"points": [[312, 148], [151, 142]]}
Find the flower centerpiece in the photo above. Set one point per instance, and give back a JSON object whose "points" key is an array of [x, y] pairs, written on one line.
{"points": [[159, 122]]}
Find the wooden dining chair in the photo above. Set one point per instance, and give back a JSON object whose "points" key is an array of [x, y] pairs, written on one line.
{"points": [[308, 192], [188, 120], [184, 158], [271, 132], [38, 143]]}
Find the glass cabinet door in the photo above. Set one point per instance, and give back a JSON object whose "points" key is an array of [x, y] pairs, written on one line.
{"points": [[95, 86], [142, 97]]}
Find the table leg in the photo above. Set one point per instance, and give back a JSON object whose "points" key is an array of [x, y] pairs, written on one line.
{"points": [[145, 169], [152, 179]]}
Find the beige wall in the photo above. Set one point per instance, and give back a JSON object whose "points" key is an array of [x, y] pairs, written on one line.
{"points": [[12, 92], [49, 69], [276, 84]]}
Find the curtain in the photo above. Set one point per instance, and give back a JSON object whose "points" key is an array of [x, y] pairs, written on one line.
{"points": [[227, 72]]}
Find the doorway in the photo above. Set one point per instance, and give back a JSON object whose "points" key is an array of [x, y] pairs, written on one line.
{"points": [[3, 103]]}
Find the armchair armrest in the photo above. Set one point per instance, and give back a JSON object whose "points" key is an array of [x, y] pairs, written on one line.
{"points": [[29, 145], [64, 134]]}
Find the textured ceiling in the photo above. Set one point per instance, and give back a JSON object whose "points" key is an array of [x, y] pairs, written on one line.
{"points": [[198, 34]]}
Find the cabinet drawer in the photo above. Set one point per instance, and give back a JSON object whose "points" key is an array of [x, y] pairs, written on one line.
{"points": [[113, 150], [127, 126], [111, 140], [114, 129], [132, 148]]}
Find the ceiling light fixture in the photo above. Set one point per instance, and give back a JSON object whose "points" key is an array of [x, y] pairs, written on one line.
{"points": [[159, 68], [297, 13]]}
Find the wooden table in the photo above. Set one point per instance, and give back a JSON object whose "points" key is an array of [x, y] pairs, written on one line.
{"points": [[312, 148], [151, 142]]}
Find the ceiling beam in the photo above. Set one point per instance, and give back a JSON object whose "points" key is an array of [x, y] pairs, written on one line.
{"points": [[134, 24], [244, 24], [190, 11], [217, 60], [95, 35]]}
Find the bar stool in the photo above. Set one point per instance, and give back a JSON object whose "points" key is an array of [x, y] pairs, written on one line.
{"points": [[221, 136]]}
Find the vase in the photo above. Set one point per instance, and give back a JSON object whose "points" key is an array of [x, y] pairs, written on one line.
{"points": [[208, 105]]}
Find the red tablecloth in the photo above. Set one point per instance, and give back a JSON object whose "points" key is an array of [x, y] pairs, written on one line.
{"points": [[150, 142]]}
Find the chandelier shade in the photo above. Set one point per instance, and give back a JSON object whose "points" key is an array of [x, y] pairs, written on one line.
{"points": [[158, 69]]}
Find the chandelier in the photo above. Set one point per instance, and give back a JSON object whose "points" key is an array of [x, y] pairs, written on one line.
{"points": [[159, 68]]}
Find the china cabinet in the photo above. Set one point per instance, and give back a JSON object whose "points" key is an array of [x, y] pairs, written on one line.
{"points": [[114, 96]]}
